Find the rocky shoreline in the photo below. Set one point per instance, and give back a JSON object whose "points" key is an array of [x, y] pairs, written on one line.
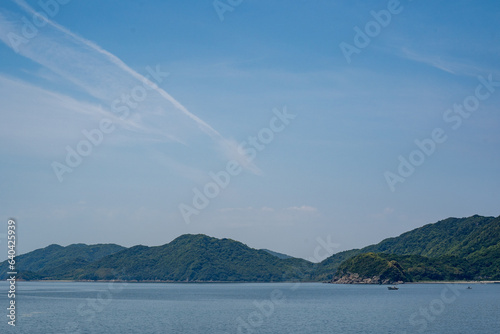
{"points": [[351, 278]]}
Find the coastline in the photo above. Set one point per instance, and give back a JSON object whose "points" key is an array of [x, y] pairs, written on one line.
{"points": [[159, 281], [232, 282], [455, 282]]}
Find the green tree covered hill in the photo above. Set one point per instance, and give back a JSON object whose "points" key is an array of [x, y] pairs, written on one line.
{"points": [[451, 249], [53, 258], [197, 258]]}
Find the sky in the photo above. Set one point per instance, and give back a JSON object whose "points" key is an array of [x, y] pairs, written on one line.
{"points": [[285, 125]]}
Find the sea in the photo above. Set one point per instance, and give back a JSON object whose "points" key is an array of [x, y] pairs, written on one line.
{"points": [[220, 308]]}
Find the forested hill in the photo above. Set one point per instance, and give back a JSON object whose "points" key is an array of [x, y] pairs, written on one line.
{"points": [[54, 258], [454, 248], [188, 258], [451, 249], [460, 237], [197, 258]]}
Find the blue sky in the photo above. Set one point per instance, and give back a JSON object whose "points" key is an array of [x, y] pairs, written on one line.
{"points": [[175, 91]]}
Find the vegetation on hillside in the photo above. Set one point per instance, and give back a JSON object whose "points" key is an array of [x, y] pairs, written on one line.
{"points": [[188, 258], [451, 249], [196, 258], [55, 259], [406, 268]]}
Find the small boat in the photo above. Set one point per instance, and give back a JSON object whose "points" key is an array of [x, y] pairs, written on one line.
{"points": [[468, 288], [392, 288]]}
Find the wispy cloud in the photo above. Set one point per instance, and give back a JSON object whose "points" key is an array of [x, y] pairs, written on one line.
{"points": [[434, 61], [107, 78], [303, 208], [39, 121], [42, 122], [446, 64]]}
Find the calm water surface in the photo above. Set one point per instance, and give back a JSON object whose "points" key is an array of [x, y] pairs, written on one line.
{"points": [[72, 308]]}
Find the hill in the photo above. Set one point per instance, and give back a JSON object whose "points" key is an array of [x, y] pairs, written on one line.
{"points": [[55, 257], [196, 258], [380, 268], [460, 237], [451, 249], [454, 248], [188, 258]]}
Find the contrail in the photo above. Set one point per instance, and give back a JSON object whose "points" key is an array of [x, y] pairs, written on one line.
{"points": [[105, 76], [118, 62]]}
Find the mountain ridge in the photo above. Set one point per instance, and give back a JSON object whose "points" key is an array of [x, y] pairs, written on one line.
{"points": [[53, 256], [452, 248], [187, 258]]}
